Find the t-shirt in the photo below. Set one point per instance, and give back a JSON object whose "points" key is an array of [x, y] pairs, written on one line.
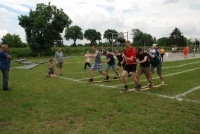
{"points": [[141, 57], [119, 57], [87, 58], [4, 61], [162, 51], [130, 52], [156, 60], [51, 67], [112, 60], [98, 57], [59, 57]]}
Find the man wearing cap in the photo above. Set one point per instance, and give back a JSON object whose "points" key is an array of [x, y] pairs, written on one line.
{"points": [[4, 66], [110, 63], [144, 66]]}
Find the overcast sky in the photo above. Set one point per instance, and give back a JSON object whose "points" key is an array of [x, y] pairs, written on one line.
{"points": [[155, 17]]}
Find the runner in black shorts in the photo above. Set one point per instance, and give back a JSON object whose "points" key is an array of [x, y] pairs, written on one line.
{"points": [[130, 57], [121, 61]]}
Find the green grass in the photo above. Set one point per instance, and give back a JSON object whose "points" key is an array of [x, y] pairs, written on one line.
{"points": [[39, 104]]}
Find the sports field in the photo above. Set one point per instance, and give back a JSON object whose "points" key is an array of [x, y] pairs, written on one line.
{"points": [[66, 104]]}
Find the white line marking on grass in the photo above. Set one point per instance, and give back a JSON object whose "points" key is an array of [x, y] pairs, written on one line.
{"points": [[189, 91], [101, 85], [159, 95], [165, 75], [181, 65], [95, 77], [77, 72], [171, 97], [69, 79]]}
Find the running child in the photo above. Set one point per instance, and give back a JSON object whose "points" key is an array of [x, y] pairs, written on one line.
{"points": [[87, 60]]}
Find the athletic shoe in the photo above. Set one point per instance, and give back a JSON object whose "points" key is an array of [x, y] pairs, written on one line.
{"points": [[116, 77], [138, 87], [107, 77], [162, 82], [150, 85], [125, 88], [90, 80], [9, 89]]}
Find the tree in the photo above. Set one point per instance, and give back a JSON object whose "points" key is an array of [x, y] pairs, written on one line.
{"points": [[74, 33], [59, 42], [92, 35], [176, 38], [12, 41], [142, 39], [164, 41], [43, 26], [121, 40], [110, 34]]}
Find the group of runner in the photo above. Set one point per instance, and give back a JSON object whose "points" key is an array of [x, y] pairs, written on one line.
{"points": [[134, 62], [147, 62]]}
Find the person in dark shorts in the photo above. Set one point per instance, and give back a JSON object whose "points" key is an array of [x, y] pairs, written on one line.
{"points": [[144, 66], [121, 62], [110, 63], [130, 56]]}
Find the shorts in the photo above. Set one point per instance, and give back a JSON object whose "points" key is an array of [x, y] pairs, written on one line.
{"points": [[113, 67], [130, 68], [97, 66], [50, 72], [145, 70], [59, 65], [158, 67]]}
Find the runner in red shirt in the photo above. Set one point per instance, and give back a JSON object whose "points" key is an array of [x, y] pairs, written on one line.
{"points": [[131, 65]]}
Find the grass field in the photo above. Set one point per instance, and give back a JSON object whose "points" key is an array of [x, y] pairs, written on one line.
{"points": [[67, 104]]}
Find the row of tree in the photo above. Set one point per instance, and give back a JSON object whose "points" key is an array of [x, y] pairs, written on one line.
{"points": [[44, 25]]}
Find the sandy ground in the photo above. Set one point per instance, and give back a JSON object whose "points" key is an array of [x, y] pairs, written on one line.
{"points": [[179, 56]]}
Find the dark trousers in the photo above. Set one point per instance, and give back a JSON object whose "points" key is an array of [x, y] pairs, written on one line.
{"points": [[87, 64], [162, 57], [5, 72]]}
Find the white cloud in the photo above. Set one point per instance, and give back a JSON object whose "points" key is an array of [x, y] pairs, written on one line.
{"points": [[156, 17], [3, 32]]}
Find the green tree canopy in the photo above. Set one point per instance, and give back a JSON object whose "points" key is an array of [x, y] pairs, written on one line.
{"points": [[74, 33], [92, 35], [110, 34], [176, 38], [141, 39], [12, 41], [164, 41], [43, 26]]}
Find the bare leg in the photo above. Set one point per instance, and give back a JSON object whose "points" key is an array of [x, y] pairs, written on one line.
{"points": [[161, 78], [91, 73], [124, 75], [135, 78]]}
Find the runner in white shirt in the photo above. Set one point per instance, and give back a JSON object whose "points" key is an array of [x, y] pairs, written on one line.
{"points": [[87, 60]]}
